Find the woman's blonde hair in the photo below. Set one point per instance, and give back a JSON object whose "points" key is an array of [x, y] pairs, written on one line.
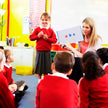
{"points": [[94, 37]]}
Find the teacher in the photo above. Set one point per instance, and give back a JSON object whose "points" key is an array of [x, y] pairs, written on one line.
{"points": [[91, 41]]}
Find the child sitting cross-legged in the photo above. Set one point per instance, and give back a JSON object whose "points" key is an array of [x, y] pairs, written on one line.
{"points": [[56, 90], [103, 55], [93, 87], [6, 97], [20, 85]]}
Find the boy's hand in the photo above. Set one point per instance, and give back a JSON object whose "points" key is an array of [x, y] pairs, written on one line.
{"points": [[45, 37], [40, 34], [12, 87]]}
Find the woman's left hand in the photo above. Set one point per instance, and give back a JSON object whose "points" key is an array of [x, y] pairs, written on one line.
{"points": [[68, 46]]}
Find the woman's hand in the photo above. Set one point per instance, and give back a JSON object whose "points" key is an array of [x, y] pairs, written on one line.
{"points": [[72, 49], [68, 46]]}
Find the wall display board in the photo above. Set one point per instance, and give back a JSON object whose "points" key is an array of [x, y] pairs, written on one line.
{"points": [[25, 24], [68, 13], [37, 7]]}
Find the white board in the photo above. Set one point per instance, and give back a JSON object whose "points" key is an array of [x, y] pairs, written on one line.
{"points": [[68, 13], [72, 35]]}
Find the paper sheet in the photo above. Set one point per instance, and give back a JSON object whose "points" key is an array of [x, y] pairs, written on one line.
{"points": [[72, 35]]}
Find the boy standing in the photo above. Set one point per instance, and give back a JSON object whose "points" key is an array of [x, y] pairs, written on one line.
{"points": [[7, 100]]}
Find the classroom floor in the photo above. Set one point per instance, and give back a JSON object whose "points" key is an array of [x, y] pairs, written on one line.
{"points": [[28, 100]]}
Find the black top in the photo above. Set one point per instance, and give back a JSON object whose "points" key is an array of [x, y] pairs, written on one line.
{"points": [[77, 70]]}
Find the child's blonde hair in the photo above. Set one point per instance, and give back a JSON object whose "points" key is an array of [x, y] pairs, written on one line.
{"points": [[46, 15], [1, 56], [2, 59], [7, 53]]}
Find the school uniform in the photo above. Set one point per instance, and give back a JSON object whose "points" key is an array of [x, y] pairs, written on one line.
{"points": [[94, 94], [57, 91], [105, 67], [7, 100], [8, 73], [43, 47]]}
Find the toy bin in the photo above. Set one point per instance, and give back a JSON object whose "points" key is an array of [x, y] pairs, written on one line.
{"points": [[24, 70], [55, 47], [73, 45]]}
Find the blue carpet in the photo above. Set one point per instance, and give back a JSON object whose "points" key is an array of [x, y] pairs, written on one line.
{"points": [[28, 100]]}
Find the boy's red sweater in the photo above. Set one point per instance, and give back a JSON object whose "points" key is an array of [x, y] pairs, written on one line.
{"points": [[57, 92], [94, 94], [8, 74]]}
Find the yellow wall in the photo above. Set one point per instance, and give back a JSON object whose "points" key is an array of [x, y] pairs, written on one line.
{"points": [[104, 45], [4, 17], [18, 8], [48, 6]]}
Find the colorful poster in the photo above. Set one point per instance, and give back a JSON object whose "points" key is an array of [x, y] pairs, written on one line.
{"points": [[37, 7], [71, 35]]}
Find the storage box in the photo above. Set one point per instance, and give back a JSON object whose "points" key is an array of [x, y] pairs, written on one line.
{"points": [[24, 70], [57, 47]]}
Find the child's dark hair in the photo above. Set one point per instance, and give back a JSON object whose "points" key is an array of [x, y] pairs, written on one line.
{"points": [[1, 47], [103, 55], [91, 67], [46, 15], [64, 61]]}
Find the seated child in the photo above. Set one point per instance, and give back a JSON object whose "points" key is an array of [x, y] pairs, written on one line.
{"points": [[3, 61], [93, 87], [7, 100], [21, 87], [56, 90], [103, 55], [12, 87]]}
